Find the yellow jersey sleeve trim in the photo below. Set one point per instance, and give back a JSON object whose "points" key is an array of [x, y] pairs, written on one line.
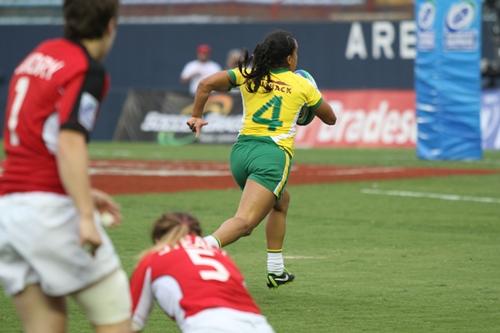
{"points": [[232, 77]]}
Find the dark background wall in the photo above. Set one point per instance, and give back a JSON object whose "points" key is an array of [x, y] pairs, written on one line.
{"points": [[153, 55]]}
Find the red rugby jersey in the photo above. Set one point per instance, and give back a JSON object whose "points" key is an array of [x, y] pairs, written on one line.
{"points": [[57, 86], [186, 279]]}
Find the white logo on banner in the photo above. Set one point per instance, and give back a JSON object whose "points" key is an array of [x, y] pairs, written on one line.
{"points": [[460, 16], [426, 16], [163, 122], [425, 21], [384, 125], [459, 35]]}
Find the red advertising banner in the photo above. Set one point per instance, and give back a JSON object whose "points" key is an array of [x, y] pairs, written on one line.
{"points": [[365, 118]]}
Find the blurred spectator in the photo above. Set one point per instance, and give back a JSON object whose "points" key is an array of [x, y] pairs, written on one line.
{"points": [[233, 56], [198, 69]]}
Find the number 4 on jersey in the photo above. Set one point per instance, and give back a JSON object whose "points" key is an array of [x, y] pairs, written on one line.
{"points": [[273, 122]]}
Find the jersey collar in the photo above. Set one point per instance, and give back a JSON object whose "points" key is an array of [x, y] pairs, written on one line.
{"points": [[279, 70]]}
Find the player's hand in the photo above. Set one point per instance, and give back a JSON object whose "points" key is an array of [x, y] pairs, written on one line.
{"points": [[195, 124], [105, 203], [90, 239]]}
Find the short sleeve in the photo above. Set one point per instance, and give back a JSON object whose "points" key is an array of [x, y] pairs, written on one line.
{"points": [[81, 98], [313, 97], [236, 77]]}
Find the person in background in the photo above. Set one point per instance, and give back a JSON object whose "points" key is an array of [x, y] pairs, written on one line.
{"points": [[51, 242], [198, 69], [194, 283], [233, 57], [261, 159]]}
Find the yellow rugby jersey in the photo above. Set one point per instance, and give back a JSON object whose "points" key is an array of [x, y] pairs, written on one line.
{"points": [[274, 114]]}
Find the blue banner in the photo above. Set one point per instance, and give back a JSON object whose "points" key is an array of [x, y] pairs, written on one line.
{"points": [[447, 79]]}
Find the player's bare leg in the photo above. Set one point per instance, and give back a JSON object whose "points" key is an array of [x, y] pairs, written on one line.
{"points": [[255, 203], [40, 313], [123, 327], [275, 234], [276, 223]]}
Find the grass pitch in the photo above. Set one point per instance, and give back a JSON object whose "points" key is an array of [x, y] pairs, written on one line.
{"points": [[364, 263]]}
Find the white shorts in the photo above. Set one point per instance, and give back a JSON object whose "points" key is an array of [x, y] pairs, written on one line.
{"points": [[39, 244], [225, 320]]}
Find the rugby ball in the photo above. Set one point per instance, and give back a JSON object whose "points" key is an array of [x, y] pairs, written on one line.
{"points": [[306, 115], [107, 219]]}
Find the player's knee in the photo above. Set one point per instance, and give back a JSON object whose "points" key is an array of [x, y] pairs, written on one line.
{"points": [[107, 302], [245, 226], [283, 203], [40, 312]]}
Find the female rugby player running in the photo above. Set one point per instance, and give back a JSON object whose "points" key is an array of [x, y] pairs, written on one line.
{"points": [[194, 283], [261, 158]]}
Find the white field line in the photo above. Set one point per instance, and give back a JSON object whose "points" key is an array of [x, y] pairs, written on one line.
{"points": [[140, 169], [114, 153], [429, 195], [360, 171], [159, 173], [156, 164], [304, 257]]}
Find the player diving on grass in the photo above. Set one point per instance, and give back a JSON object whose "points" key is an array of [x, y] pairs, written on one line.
{"points": [[193, 282], [273, 96]]}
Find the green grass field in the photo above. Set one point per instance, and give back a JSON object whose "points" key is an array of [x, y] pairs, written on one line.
{"points": [[364, 263]]}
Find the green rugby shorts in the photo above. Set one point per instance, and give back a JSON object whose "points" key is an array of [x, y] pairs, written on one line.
{"points": [[261, 160]]}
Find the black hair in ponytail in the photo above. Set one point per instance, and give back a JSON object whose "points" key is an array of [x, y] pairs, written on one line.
{"points": [[271, 53]]}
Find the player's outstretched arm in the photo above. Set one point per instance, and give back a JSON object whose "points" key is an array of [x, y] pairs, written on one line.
{"points": [[326, 114], [216, 82], [72, 162]]}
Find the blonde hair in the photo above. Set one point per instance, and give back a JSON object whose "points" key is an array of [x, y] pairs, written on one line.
{"points": [[170, 228]]}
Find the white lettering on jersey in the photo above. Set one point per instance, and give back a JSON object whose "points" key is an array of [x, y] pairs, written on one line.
{"points": [[87, 111], [39, 65], [166, 249], [197, 243], [204, 257]]}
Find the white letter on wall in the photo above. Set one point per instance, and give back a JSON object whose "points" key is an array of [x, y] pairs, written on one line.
{"points": [[356, 42], [382, 39], [407, 40]]}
